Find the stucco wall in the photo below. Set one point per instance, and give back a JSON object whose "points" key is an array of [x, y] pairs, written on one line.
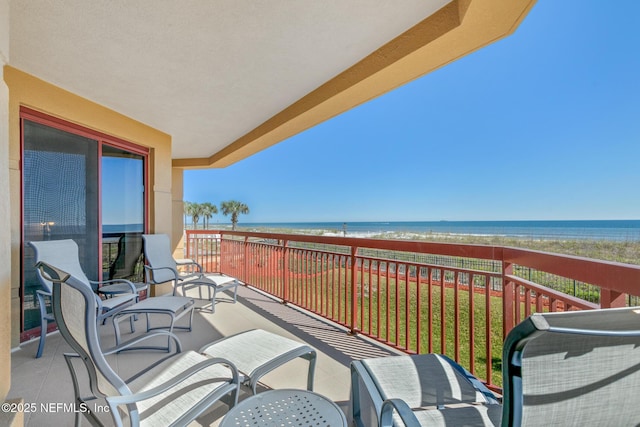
{"points": [[26, 90], [178, 211], [5, 234]]}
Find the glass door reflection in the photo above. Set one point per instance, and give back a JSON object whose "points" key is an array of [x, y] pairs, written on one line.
{"points": [[123, 214]]}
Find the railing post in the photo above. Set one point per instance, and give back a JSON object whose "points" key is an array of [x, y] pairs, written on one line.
{"points": [[186, 242], [612, 299], [285, 271], [246, 259], [354, 299], [218, 254], [508, 297]]}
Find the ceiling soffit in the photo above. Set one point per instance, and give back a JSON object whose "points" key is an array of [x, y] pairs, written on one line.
{"points": [[454, 31]]}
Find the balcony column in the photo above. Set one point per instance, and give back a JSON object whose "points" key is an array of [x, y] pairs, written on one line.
{"points": [[8, 296]]}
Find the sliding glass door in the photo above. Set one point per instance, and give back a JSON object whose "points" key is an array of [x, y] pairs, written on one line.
{"points": [[85, 187], [122, 214], [60, 188]]}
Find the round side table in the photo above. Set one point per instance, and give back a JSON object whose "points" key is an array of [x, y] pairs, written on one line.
{"points": [[285, 407]]}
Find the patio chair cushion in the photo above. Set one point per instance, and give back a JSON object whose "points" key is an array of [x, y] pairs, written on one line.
{"points": [[426, 380], [118, 302], [161, 304], [166, 408], [257, 352], [464, 414]]}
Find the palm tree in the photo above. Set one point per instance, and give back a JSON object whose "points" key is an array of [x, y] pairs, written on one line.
{"points": [[234, 208], [208, 210], [195, 210], [187, 212]]}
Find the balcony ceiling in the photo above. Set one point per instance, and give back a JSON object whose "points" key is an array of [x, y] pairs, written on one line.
{"points": [[228, 78]]}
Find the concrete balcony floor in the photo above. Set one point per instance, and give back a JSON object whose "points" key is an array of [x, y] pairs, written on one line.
{"points": [[47, 380]]}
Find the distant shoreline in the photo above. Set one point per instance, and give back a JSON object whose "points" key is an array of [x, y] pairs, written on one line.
{"points": [[615, 230], [624, 250]]}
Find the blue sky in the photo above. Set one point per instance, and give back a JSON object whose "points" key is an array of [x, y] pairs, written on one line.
{"points": [[544, 124], [122, 200]]}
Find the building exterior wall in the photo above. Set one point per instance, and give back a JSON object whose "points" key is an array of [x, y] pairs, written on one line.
{"points": [[5, 233], [26, 90], [178, 211]]}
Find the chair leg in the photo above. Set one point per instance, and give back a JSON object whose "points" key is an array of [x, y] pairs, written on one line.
{"points": [[116, 319], [235, 294], [312, 367], [190, 328], [43, 336], [213, 300]]}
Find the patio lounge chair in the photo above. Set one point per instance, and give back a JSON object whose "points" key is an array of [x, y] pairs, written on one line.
{"points": [[162, 268], [63, 254], [419, 381], [571, 368], [173, 391]]}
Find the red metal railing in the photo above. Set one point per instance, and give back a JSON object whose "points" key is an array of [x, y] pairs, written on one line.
{"points": [[419, 297]]}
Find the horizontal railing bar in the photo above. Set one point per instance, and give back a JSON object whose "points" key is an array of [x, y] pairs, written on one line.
{"points": [[614, 276], [450, 249], [576, 302]]}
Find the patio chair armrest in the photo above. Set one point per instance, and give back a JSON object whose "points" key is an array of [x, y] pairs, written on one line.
{"points": [[595, 332], [390, 406], [134, 341], [149, 270], [99, 303], [71, 355], [186, 262], [115, 401], [44, 293]]}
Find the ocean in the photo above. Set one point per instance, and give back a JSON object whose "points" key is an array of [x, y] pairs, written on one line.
{"points": [[618, 230], [122, 228]]}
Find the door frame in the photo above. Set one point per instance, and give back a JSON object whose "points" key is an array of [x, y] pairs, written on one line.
{"points": [[102, 138]]}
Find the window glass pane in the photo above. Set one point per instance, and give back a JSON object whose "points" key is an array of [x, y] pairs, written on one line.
{"points": [[60, 185], [122, 214]]}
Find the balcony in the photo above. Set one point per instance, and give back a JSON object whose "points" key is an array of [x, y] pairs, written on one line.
{"points": [[418, 297], [353, 298]]}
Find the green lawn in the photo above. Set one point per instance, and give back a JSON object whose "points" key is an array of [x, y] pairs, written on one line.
{"points": [[326, 285]]}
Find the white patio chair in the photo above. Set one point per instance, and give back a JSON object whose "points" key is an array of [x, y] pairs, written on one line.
{"points": [[171, 392], [418, 381], [162, 267], [63, 254], [571, 368]]}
